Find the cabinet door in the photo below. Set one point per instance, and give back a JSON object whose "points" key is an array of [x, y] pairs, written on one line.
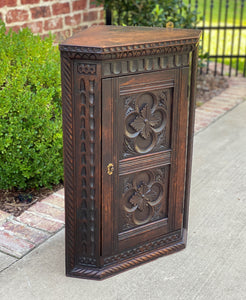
{"points": [[144, 129]]}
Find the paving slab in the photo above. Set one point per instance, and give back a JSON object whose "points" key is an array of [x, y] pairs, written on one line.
{"points": [[213, 266]]}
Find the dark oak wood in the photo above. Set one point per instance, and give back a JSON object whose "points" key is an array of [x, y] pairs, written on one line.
{"points": [[128, 118], [108, 37]]}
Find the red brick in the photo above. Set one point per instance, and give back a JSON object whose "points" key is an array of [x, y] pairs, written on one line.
{"points": [[9, 3], [43, 36], [60, 193], [54, 200], [221, 99], [197, 128], [62, 35], [92, 4], [211, 108], [16, 15], [27, 233], [53, 24], [231, 94], [40, 12], [79, 5], [3, 216], [13, 245], [237, 93], [36, 27], [90, 16], [40, 222], [73, 20], [47, 211], [29, 1], [60, 8], [14, 28], [208, 108], [218, 107], [77, 29], [102, 15], [201, 115]]}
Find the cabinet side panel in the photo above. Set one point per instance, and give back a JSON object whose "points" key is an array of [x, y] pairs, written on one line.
{"points": [[191, 122], [181, 146], [68, 154]]}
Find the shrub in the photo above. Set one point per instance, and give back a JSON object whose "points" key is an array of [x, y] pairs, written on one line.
{"points": [[151, 13], [30, 111]]}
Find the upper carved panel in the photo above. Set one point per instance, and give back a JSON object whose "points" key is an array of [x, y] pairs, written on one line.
{"points": [[147, 122]]}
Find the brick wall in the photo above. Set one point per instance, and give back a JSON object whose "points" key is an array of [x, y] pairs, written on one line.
{"points": [[61, 17]]}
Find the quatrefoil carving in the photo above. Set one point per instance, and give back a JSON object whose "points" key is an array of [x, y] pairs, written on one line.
{"points": [[141, 200], [145, 122]]}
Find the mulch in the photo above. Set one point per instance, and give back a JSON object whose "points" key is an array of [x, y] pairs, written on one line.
{"points": [[15, 202], [209, 86]]}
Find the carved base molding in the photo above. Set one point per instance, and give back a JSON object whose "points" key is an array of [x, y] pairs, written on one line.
{"points": [[113, 269]]}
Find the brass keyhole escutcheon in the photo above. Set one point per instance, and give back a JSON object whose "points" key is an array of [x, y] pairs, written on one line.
{"points": [[169, 24], [110, 168]]}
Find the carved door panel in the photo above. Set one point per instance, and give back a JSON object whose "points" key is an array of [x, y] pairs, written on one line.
{"points": [[144, 121]]}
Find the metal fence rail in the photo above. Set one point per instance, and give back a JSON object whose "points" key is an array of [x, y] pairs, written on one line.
{"points": [[223, 23], [224, 34]]}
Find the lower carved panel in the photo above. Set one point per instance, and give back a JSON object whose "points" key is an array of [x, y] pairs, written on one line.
{"points": [[144, 197]]}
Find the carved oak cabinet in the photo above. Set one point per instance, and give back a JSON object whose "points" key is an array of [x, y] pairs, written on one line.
{"points": [[128, 118]]}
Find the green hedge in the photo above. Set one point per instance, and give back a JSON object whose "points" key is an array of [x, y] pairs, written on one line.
{"points": [[151, 13], [30, 111]]}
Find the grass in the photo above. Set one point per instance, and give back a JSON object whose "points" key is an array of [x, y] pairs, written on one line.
{"points": [[219, 42]]}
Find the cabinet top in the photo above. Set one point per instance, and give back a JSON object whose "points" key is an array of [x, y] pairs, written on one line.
{"points": [[114, 39]]}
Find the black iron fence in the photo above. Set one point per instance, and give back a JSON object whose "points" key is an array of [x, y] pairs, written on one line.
{"points": [[223, 23]]}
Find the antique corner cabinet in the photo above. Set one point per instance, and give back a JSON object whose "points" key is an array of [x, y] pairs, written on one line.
{"points": [[128, 118]]}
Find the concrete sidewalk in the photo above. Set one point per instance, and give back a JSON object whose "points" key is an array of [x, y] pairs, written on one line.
{"points": [[213, 266]]}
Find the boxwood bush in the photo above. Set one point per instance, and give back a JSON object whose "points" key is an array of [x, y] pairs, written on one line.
{"points": [[30, 111], [151, 13]]}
